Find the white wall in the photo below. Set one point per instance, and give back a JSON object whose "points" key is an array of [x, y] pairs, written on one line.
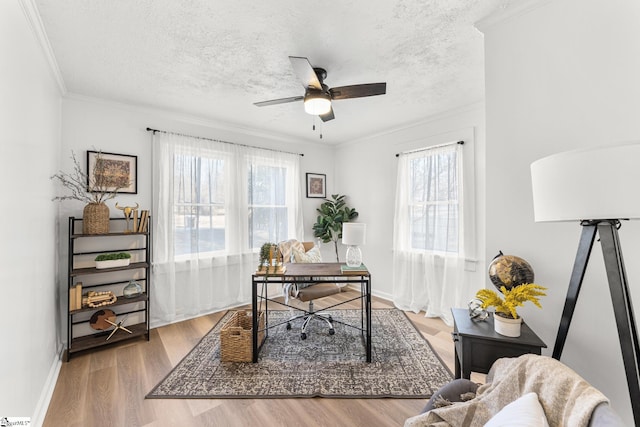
{"points": [[29, 154], [366, 172], [561, 76]]}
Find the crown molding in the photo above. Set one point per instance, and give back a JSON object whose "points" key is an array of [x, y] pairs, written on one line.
{"points": [[35, 23], [443, 115], [190, 119], [506, 13]]}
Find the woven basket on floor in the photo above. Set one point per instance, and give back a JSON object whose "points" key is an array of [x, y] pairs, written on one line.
{"points": [[95, 219], [235, 337]]}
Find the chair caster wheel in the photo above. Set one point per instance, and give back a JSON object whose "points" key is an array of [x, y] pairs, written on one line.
{"points": [[303, 336], [330, 319], [332, 331], [288, 326]]}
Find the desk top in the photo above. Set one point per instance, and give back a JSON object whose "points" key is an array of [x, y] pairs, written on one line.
{"points": [[321, 269]]}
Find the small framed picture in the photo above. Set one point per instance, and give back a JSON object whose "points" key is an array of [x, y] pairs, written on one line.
{"points": [[109, 171], [316, 185]]}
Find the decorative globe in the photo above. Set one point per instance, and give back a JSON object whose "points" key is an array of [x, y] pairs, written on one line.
{"points": [[509, 271]]}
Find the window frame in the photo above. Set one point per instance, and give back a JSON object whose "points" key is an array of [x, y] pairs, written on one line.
{"points": [[424, 205]]}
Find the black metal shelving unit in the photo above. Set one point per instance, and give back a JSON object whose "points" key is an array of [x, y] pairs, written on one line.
{"points": [[123, 306]]}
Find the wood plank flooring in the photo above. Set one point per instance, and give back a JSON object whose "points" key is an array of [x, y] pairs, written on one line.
{"points": [[107, 387]]}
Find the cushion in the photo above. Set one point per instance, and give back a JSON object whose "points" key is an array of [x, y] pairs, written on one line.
{"points": [[523, 412], [313, 255], [287, 247], [452, 391], [318, 290]]}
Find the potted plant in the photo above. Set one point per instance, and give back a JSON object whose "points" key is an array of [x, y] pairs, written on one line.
{"points": [[114, 259], [269, 262], [332, 214], [94, 189], [506, 319]]}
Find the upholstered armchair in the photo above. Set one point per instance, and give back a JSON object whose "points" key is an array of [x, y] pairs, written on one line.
{"points": [[306, 252]]}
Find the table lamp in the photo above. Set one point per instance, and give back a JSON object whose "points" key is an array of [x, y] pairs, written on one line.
{"points": [[597, 187], [353, 235]]}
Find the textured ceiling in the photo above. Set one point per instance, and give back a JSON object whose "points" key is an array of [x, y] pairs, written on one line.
{"points": [[214, 59]]}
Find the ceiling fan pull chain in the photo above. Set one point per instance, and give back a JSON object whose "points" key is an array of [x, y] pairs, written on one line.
{"points": [[314, 122]]}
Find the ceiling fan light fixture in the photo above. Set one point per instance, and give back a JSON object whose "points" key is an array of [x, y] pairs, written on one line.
{"points": [[317, 102]]}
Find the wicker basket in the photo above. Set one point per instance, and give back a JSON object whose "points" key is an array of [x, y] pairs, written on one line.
{"points": [[235, 337], [95, 219]]}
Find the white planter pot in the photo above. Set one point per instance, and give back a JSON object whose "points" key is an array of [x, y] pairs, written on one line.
{"points": [[507, 326], [112, 263]]}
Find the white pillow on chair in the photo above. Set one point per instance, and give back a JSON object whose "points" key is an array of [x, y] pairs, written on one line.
{"points": [[523, 412], [312, 255]]}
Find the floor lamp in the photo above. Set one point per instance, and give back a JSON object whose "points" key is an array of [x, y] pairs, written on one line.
{"points": [[597, 187]]}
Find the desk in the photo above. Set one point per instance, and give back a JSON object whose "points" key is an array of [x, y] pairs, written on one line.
{"points": [[321, 273], [478, 345]]}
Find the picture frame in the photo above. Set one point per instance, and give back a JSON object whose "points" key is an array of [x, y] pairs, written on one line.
{"points": [[118, 168], [316, 185]]}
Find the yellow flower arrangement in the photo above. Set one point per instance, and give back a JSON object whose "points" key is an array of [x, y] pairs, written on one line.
{"points": [[513, 298]]}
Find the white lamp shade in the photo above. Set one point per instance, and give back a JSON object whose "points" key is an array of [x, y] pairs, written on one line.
{"points": [[354, 233], [588, 184]]}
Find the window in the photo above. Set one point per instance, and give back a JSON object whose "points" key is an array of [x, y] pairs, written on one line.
{"points": [[231, 201], [199, 207], [433, 229], [433, 200], [268, 211], [214, 203]]}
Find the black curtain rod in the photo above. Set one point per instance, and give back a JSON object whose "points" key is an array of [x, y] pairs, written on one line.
{"points": [[430, 148], [223, 142]]}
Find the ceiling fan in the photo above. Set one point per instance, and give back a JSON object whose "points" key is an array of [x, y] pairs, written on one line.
{"points": [[318, 96]]}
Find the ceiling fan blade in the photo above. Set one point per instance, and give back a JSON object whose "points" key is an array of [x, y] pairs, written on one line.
{"points": [[305, 72], [328, 116], [278, 101], [358, 91]]}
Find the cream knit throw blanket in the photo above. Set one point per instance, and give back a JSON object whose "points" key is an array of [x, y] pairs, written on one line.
{"points": [[566, 398]]}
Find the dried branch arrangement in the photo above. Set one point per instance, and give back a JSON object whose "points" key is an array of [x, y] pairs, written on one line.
{"points": [[90, 188]]}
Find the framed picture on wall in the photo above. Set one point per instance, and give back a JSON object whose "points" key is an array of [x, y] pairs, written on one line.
{"points": [[110, 171], [316, 185]]}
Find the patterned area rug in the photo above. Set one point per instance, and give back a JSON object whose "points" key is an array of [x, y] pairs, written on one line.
{"points": [[403, 363]]}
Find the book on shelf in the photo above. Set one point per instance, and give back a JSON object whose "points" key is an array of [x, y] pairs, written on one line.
{"points": [[144, 221], [78, 305], [75, 297], [135, 219], [359, 269], [72, 298]]}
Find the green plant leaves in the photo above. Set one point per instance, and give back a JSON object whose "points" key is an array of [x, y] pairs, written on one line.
{"points": [[332, 214], [112, 256]]}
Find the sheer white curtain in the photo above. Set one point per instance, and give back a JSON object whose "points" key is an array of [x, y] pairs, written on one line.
{"points": [[428, 243], [214, 204]]}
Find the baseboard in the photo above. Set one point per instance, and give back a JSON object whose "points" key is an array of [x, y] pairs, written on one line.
{"points": [[47, 391]]}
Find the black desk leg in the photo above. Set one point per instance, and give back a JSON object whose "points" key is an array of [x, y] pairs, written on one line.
{"points": [[368, 306], [254, 319]]}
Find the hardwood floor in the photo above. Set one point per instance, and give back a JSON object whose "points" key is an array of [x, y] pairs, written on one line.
{"points": [[107, 387]]}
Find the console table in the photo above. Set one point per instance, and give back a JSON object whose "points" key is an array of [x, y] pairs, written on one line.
{"points": [[320, 273], [478, 345]]}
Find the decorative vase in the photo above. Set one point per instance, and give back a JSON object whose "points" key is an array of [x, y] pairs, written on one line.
{"points": [[132, 290], [507, 326], [95, 219]]}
